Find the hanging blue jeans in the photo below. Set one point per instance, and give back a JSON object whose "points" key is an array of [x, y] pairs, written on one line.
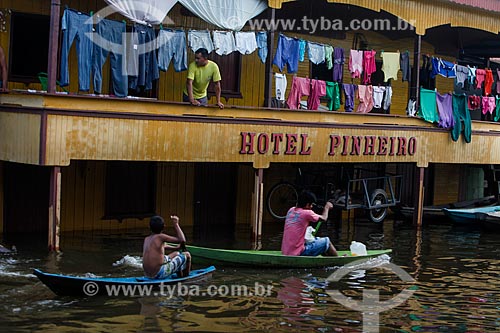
{"points": [[172, 44], [147, 66], [76, 25], [109, 40]]}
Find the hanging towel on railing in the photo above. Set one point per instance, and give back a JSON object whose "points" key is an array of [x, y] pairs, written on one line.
{"points": [[428, 109]]}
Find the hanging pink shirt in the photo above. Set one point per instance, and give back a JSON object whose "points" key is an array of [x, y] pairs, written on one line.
{"points": [[489, 105], [369, 66], [480, 77], [318, 89], [300, 87], [356, 63], [296, 222], [365, 95]]}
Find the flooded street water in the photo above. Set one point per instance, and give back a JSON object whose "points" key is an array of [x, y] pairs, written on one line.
{"points": [[456, 270]]}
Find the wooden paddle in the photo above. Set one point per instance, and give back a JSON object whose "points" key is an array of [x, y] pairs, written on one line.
{"points": [[320, 222], [317, 228]]}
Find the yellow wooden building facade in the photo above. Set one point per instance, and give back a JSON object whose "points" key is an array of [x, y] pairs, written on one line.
{"points": [[70, 146]]}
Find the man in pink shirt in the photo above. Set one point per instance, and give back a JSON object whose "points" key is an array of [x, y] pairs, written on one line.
{"points": [[296, 223]]}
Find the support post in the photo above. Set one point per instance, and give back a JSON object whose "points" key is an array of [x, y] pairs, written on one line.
{"points": [[1, 197], [415, 78], [419, 198], [462, 184], [54, 208], [257, 208], [55, 16], [269, 64], [417, 257]]}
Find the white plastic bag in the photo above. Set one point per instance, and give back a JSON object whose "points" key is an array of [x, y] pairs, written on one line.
{"points": [[309, 237]]}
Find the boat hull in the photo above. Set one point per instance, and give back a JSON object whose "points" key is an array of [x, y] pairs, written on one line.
{"points": [[469, 216], [67, 285], [490, 221], [429, 212], [274, 259], [436, 212]]}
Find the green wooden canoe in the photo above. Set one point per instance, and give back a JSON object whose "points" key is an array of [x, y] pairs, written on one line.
{"points": [[273, 259]]}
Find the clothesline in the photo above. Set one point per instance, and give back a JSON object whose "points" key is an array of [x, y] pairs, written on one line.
{"points": [[369, 96], [142, 64], [362, 64]]}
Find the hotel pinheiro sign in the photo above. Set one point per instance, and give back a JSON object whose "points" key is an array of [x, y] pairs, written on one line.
{"points": [[343, 145]]}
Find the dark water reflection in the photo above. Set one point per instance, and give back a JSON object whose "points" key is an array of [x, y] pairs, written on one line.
{"points": [[457, 289]]}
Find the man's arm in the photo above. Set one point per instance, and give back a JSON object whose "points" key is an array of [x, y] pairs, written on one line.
{"points": [[3, 65], [172, 248], [327, 208], [218, 93], [189, 87], [180, 238]]}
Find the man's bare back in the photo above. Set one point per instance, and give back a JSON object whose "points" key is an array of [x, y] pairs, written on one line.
{"points": [[153, 256]]}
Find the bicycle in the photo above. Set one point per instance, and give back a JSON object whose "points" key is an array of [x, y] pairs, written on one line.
{"points": [[284, 194]]}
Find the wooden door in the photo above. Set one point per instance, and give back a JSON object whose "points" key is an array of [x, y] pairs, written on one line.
{"points": [[26, 199], [214, 202]]}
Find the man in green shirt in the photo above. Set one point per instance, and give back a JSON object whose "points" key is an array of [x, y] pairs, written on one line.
{"points": [[200, 73]]}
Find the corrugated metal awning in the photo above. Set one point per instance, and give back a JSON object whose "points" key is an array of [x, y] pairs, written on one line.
{"points": [[492, 5], [426, 14]]}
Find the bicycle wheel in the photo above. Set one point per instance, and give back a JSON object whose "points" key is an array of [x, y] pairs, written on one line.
{"points": [[280, 199], [378, 197]]}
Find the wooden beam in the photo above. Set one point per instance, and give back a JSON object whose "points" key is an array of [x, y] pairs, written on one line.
{"points": [[419, 198], [257, 208], [54, 209], [1, 196], [55, 17], [269, 63], [415, 75]]}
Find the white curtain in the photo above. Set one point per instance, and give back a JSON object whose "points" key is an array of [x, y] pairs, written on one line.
{"points": [[143, 11], [226, 14]]}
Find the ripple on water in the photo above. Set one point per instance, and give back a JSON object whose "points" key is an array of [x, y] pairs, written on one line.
{"points": [[129, 261], [456, 272]]}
